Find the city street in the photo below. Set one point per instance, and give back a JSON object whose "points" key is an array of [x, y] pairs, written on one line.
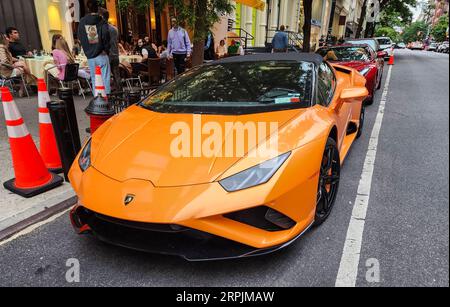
{"points": [[406, 229]]}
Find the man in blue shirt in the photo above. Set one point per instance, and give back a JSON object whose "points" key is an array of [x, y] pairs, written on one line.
{"points": [[280, 42], [179, 46]]}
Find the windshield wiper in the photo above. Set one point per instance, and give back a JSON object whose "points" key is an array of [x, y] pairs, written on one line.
{"points": [[273, 94]]}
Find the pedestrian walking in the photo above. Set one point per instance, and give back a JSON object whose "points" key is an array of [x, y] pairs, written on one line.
{"points": [[114, 59], [280, 42], [93, 33], [179, 46]]}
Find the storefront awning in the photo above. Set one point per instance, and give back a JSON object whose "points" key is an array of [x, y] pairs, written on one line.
{"points": [[257, 4]]}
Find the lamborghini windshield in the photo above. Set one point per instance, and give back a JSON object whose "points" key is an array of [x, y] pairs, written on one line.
{"points": [[345, 54], [237, 88]]}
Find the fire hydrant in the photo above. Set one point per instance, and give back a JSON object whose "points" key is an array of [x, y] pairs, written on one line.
{"points": [[99, 111]]}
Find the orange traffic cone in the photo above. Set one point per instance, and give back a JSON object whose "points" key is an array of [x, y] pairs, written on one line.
{"points": [[32, 177], [48, 148], [391, 58], [99, 84]]}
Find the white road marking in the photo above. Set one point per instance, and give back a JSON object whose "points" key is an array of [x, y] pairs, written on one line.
{"points": [[348, 269], [33, 227]]}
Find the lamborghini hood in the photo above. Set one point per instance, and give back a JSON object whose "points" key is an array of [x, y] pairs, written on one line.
{"points": [[141, 144]]}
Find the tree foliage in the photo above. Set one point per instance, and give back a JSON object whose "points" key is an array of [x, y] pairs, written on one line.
{"points": [[439, 31], [393, 13], [396, 12], [198, 15], [417, 31], [389, 32]]}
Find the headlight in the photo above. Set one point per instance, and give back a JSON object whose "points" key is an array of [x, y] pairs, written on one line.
{"points": [[365, 71], [85, 158], [254, 176]]}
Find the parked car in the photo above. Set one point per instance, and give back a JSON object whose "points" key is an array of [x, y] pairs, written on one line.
{"points": [[161, 194], [432, 47], [444, 47], [417, 46], [363, 59], [386, 44], [400, 46], [373, 43]]}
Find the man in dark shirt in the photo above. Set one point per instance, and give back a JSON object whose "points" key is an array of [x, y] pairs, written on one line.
{"points": [[114, 59], [15, 47]]}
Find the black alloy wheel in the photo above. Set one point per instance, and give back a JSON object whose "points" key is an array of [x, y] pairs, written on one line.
{"points": [[330, 175]]}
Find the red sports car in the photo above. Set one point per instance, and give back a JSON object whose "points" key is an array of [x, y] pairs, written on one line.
{"points": [[362, 58]]}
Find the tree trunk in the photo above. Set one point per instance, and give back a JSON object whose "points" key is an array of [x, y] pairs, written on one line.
{"points": [[362, 18], [198, 55], [307, 5]]}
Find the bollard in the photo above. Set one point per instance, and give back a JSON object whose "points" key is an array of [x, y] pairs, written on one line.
{"points": [[66, 95], [62, 114], [99, 111]]}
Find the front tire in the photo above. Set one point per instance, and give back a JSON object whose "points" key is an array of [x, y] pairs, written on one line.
{"points": [[362, 118], [329, 178], [379, 82]]}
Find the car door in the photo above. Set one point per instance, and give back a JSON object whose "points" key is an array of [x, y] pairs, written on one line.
{"points": [[379, 64], [327, 87]]}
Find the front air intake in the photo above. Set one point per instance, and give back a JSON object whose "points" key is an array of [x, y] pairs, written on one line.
{"points": [[262, 217]]}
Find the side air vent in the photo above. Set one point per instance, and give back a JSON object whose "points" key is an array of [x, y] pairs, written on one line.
{"points": [[263, 218]]}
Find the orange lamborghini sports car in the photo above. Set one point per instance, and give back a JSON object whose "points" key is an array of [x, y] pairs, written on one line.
{"points": [[231, 159]]}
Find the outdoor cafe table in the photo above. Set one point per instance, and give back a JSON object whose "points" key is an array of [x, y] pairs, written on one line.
{"points": [[37, 65], [123, 58]]}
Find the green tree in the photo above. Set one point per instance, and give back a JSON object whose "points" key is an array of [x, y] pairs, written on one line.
{"points": [[389, 32], [417, 31], [393, 13], [439, 31]]}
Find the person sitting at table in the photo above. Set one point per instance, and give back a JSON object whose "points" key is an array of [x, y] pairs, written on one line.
{"points": [[11, 67], [163, 52], [122, 49], [15, 46], [148, 42], [139, 47], [148, 52], [61, 57], [221, 50]]}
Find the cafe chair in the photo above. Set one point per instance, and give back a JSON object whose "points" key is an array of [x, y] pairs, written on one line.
{"points": [[168, 70], [136, 75], [71, 77], [154, 71], [10, 81]]}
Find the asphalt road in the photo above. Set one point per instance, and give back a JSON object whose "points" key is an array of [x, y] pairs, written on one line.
{"points": [[407, 225]]}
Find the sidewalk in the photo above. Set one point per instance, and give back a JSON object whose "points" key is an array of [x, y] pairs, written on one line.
{"points": [[13, 208]]}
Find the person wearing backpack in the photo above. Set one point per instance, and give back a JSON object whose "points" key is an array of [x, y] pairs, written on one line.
{"points": [[179, 46]]}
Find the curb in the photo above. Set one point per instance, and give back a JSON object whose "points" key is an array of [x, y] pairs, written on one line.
{"points": [[39, 217]]}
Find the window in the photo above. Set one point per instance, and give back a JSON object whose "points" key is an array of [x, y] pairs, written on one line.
{"points": [[326, 84]]}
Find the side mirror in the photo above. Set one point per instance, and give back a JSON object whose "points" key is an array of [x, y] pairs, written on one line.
{"points": [[382, 54], [354, 93]]}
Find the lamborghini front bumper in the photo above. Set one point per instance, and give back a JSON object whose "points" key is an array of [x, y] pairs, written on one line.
{"points": [[190, 244]]}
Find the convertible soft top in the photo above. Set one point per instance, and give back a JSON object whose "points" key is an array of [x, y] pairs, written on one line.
{"points": [[291, 56]]}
